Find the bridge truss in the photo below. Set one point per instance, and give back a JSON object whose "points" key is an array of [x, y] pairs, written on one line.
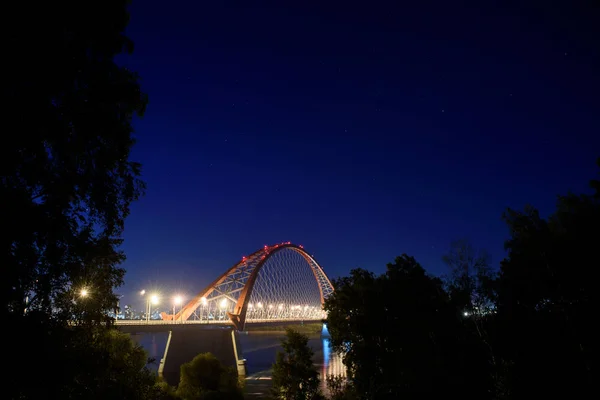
{"points": [[276, 283]]}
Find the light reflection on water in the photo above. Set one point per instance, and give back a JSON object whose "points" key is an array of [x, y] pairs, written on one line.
{"points": [[259, 351], [154, 344], [332, 362]]}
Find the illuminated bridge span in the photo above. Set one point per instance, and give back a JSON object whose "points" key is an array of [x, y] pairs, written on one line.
{"points": [[275, 283]]}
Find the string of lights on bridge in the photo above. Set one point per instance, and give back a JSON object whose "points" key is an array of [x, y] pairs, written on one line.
{"points": [[278, 282]]}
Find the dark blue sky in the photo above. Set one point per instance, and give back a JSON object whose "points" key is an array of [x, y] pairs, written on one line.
{"points": [[360, 132]]}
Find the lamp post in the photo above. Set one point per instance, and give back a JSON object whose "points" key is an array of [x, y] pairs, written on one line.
{"points": [[176, 301], [150, 299], [223, 305], [153, 300], [142, 293], [203, 301]]}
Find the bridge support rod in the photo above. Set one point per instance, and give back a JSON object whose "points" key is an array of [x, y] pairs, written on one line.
{"points": [[240, 362], [161, 366]]}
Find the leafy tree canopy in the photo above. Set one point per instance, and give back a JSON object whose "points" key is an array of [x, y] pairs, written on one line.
{"points": [[399, 334], [79, 363], [547, 296], [206, 378], [66, 180], [470, 277], [294, 375]]}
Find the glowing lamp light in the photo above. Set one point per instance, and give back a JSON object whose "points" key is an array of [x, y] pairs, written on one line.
{"points": [[224, 303], [270, 305], [178, 300], [154, 299], [83, 293], [203, 301], [280, 306], [259, 305], [143, 292], [250, 305]]}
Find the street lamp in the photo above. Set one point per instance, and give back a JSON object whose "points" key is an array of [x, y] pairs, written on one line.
{"points": [[203, 303], [152, 299], [83, 292], [176, 301], [223, 306]]}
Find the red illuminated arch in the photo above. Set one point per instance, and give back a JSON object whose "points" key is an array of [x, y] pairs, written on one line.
{"points": [[254, 262]]}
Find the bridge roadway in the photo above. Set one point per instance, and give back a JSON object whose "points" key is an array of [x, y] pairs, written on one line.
{"points": [[186, 340], [254, 322]]}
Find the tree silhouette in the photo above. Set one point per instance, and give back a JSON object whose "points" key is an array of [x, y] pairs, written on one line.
{"points": [[399, 334], [67, 181], [80, 363], [294, 375], [469, 280], [66, 184], [206, 378], [547, 295]]}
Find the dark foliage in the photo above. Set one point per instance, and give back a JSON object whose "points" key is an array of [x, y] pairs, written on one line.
{"points": [[340, 388], [526, 332], [50, 361], [206, 378], [66, 179], [66, 184], [547, 296], [294, 375], [400, 335]]}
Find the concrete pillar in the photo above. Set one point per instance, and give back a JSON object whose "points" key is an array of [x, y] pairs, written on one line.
{"points": [[239, 360]]}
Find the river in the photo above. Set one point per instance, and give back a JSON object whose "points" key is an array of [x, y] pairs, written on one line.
{"points": [[259, 349]]}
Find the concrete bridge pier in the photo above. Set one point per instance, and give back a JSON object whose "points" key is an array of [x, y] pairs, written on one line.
{"points": [[187, 341]]}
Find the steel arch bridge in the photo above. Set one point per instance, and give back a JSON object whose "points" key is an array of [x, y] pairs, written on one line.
{"points": [[275, 283]]}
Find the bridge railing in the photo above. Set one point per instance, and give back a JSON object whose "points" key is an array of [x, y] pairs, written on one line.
{"points": [[206, 322]]}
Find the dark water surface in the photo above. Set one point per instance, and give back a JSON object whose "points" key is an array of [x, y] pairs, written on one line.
{"points": [[259, 349]]}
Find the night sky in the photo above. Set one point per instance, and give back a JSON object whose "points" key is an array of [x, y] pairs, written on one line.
{"points": [[359, 132]]}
